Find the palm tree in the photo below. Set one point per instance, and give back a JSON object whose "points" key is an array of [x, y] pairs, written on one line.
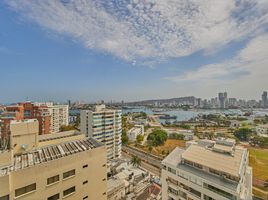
{"points": [[135, 161]]}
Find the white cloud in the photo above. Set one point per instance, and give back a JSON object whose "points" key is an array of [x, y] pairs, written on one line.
{"points": [[149, 30], [243, 74]]}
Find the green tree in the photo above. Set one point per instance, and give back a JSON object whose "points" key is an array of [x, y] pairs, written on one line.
{"points": [[67, 128], [124, 137], [135, 161], [243, 133], [139, 138], [157, 137]]}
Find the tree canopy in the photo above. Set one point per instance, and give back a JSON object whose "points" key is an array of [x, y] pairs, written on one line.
{"points": [[157, 137], [243, 133]]}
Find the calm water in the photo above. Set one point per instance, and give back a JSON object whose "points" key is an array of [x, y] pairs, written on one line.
{"points": [[183, 115]]}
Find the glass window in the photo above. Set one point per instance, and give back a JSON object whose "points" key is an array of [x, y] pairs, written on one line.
{"points": [[4, 197], [54, 197], [53, 179], [24, 190], [69, 173], [69, 191]]}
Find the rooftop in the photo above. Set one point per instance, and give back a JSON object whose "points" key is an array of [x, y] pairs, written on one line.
{"points": [[53, 136], [215, 160], [49, 153]]}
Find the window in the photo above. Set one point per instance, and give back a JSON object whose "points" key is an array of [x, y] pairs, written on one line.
{"points": [[54, 197], [4, 197], [173, 171], [68, 174], [86, 197], [69, 191], [84, 166], [53, 179], [85, 182], [24, 190]]}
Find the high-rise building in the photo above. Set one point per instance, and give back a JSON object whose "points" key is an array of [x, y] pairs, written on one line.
{"points": [[104, 125], [223, 99], [207, 170], [66, 165], [59, 115], [264, 100]]}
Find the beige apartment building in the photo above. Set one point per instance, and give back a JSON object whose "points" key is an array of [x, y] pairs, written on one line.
{"points": [[207, 170], [59, 115], [104, 125], [66, 165]]}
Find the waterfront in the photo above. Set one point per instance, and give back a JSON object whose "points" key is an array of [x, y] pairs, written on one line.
{"points": [[185, 115]]}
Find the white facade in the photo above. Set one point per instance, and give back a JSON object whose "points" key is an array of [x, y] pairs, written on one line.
{"points": [[217, 171], [262, 130], [134, 132], [105, 125], [59, 115]]}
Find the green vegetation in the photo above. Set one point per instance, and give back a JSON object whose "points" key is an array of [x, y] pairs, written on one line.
{"points": [[259, 141], [157, 137], [67, 128], [135, 161], [77, 122], [182, 125], [176, 136], [217, 118], [139, 138], [258, 160], [243, 134], [124, 137]]}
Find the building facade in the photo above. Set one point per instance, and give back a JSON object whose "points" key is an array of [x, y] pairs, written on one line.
{"points": [[59, 117], [104, 125], [66, 165], [134, 132], [207, 170], [264, 100]]}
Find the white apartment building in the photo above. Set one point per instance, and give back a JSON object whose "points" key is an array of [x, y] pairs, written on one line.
{"points": [[66, 165], [59, 115], [105, 125], [207, 170], [134, 132]]}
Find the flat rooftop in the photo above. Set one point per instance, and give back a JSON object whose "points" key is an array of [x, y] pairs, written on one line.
{"points": [[174, 158], [223, 162], [54, 136], [49, 153]]}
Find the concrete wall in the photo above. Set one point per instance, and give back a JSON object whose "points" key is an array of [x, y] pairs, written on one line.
{"points": [[95, 174]]}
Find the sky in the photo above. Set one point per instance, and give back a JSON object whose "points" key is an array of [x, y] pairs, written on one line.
{"points": [[130, 50]]}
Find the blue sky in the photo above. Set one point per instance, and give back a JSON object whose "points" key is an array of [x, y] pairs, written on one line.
{"points": [[132, 50]]}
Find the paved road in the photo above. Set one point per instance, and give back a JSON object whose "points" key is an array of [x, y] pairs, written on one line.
{"points": [[152, 169], [148, 158]]}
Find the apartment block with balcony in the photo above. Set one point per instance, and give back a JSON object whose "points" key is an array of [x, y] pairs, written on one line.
{"points": [[59, 115], [104, 125], [207, 170], [66, 165]]}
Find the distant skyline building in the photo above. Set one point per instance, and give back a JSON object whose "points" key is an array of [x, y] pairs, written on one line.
{"points": [[104, 125], [264, 101]]}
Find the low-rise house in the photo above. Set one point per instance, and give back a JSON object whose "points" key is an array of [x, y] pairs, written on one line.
{"points": [[134, 132]]}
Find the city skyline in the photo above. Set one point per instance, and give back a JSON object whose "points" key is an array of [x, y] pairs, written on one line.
{"points": [[74, 50]]}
